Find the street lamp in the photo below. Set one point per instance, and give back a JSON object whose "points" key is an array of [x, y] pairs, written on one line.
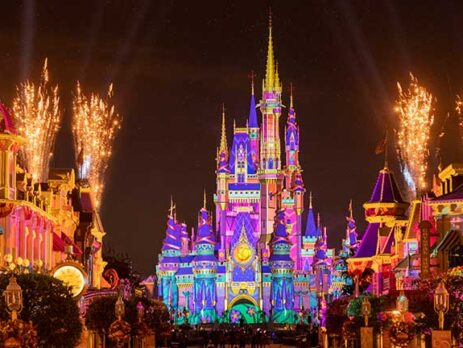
{"points": [[13, 298], [119, 308], [402, 305], [366, 309], [441, 303]]}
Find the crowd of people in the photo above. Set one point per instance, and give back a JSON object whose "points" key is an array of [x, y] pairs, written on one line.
{"points": [[254, 336]]}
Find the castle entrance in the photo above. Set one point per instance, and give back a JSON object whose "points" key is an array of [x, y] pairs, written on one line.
{"points": [[244, 309]]}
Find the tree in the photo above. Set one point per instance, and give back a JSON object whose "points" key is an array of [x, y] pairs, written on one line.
{"points": [[49, 304]]}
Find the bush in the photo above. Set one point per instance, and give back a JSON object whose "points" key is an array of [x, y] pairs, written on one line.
{"points": [[48, 303]]}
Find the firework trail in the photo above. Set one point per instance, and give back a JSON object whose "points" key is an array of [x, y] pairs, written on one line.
{"points": [[36, 110], [415, 114], [95, 125]]}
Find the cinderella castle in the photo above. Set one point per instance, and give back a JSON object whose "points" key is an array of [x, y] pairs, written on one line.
{"points": [[258, 260]]}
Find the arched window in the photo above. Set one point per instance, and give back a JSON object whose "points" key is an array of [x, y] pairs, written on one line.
{"points": [[456, 256]]}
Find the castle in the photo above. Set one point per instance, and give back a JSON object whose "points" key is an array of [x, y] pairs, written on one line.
{"points": [[256, 260]]}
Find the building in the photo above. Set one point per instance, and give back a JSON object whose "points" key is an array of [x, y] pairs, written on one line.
{"points": [[42, 222], [255, 259]]}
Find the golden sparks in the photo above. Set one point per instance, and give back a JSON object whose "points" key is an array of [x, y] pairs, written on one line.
{"points": [[95, 125], [415, 113], [36, 111]]}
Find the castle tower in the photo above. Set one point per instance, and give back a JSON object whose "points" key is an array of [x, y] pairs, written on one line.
{"points": [[281, 266], [222, 172], [270, 175], [293, 193], [385, 214], [253, 127], [169, 261], [9, 146], [205, 271]]}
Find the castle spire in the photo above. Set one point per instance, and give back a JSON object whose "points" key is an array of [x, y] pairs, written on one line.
{"points": [[310, 200], [223, 137], [204, 200], [291, 104], [252, 118], [270, 70]]}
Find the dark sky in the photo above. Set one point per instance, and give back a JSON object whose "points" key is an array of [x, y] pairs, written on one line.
{"points": [[174, 63]]}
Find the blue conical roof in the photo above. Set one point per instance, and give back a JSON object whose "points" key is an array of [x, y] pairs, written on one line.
{"points": [[311, 229], [252, 119], [172, 240]]}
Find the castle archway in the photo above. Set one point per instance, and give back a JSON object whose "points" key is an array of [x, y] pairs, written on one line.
{"points": [[244, 309]]}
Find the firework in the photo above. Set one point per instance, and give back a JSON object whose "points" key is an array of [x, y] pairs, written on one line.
{"points": [[36, 110], [459, 108], [95, 125], [415, 113]]}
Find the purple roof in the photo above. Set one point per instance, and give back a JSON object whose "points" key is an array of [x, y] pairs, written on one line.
{"points": [[311, 229], [205, 233], [208, 257], [172, 240], [369, 241], [184, 271], [252, 120], [455, 195], [280, 236], [386, 190], [390, 240], [244, 186]]}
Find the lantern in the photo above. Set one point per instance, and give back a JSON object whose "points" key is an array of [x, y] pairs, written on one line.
{"points": [[13, 297], [119, 308], [366, 309], [402, 304], [441, 303]]}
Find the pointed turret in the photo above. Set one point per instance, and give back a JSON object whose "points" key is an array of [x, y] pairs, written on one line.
{"points": [[172, 240], [385, 205], [292, 137], [270, 69], [252, 118], [310, 228], [222, 158]]}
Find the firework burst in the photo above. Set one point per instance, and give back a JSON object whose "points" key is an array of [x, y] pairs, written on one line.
{"points": [[95, 125], [36, 110], [459, 109], [415, 113]]}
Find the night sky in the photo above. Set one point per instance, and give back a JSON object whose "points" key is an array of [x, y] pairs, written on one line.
{"points": [[175, 63]]}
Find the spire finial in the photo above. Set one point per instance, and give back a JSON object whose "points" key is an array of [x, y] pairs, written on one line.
{"points": [[223, 137], [318, 220], [386, 164], [270, 71], [205, 200], [252, 75], [310, 200], [351, 215], [277, 76], [234, 125], [172, 206], [291, 105]]}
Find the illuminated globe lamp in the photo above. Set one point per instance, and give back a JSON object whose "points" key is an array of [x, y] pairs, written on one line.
{"points": [[441, 303], [402, 305], [119, 330], [366, 310], [13, 295]]}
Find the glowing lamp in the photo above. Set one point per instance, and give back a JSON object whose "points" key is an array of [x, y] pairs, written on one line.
{"points": [[366, 309], [13, 295], [441, 303], [119, 308], [402, 304]]}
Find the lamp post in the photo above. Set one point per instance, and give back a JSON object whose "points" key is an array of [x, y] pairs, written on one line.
{"points": [[402, 305], [441, 303], [13, 295], [366, 310]]}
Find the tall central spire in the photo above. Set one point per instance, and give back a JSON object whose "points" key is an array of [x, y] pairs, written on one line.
{"points": [[223, 137], [270, 71]]}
